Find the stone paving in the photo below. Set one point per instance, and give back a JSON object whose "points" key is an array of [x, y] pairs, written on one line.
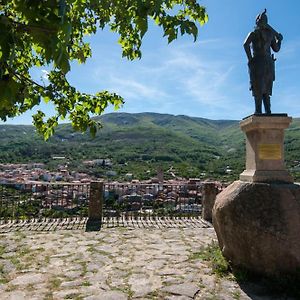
{"points": [[137, 262]]}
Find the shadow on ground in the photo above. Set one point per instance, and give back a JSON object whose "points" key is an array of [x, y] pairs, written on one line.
{"points": [[83, 224]]}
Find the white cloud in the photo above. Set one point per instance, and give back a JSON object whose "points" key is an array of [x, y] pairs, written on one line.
{"points": [[131, 88], [188, 79], [198, 78]]}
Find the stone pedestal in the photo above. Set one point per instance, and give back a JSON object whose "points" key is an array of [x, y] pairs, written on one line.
{"points": [[265, 148], [257, 219]]}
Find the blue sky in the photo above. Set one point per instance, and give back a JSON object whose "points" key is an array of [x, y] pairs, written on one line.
{"points": [[208, 78]]}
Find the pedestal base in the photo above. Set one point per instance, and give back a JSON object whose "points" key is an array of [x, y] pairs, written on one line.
{"points": [[265, 148], [266, 176]]}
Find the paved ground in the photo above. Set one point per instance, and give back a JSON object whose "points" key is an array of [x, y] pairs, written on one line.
{"points": [[137, 262]]}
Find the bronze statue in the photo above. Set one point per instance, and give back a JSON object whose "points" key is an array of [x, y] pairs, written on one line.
{"points": [[261, 62]]}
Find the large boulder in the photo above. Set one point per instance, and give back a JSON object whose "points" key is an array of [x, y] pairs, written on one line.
{"points": [[258, 226]]}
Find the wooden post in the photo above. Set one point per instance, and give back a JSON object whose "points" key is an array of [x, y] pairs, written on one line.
{"points": [[95, 206]]}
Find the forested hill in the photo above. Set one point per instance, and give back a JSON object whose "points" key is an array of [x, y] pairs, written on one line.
{"points": [[139, 143]]}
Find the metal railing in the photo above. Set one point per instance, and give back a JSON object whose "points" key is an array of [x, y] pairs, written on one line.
{"points": [[145, 201], [21, 201], [101, 203]]}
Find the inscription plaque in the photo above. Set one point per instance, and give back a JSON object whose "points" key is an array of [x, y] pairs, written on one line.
{"points": [[269, 151]]}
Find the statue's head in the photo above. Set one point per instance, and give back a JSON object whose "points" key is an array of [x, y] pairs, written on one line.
{"points": [[262, 19]]}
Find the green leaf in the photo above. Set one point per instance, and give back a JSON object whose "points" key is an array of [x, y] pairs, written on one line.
{"points": [[46, 99], [53, 33]]}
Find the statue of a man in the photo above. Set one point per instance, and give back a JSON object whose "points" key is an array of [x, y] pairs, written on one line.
{"points": [[261, 61]]}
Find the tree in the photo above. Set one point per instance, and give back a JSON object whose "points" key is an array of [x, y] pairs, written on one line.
{"points": [[35, 33]]}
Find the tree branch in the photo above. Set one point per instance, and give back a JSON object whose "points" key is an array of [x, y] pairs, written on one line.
{"points": [[6, 20], [21, 77]]}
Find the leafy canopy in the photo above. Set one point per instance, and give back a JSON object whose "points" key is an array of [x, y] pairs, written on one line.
{"points": [[36, 33]]}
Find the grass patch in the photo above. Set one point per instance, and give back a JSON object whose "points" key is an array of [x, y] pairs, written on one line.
{"points": [[48, 296], [11, 288], [86, 283], [29, 260], [2, 250], [84, 268], [67, 235], [20, 235], [55, 283], [236, 295], [23, 258], [47, 259], [17, 263], [39, 249], [3, 276], [3, 280], [91, 249], [213, 256], [126, 290], [23, 251], [30, 287], [1, 269], [74, 296], [104, 253]]}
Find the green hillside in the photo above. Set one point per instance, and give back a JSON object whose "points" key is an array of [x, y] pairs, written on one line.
{"points": [[141, 143]]}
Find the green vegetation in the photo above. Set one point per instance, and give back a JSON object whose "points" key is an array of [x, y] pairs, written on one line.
{"points": [[52, 34], [2, 250], [3, 275], [54, 283], [285, 285], [216, 261], [136, 143], [142, 143], [86, 283], [84, 268], [74, 296]]}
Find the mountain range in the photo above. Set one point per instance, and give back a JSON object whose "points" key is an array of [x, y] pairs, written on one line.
{"points": [[141, 143]]}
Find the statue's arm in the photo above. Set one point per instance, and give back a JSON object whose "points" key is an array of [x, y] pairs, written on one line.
{"points": [[276, 42], [247, 44]]}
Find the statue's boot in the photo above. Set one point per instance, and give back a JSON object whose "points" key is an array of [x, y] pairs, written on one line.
{"points": [[267, 104]]}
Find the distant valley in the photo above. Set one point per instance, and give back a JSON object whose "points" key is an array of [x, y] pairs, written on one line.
{"points": [[142, 143]]}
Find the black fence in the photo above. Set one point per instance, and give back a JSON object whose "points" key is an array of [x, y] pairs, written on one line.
{"points": [[22, 201], [144, 201], [26, 201]]}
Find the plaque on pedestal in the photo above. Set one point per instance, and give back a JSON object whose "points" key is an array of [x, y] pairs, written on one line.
{"points": [[265, 148]]}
